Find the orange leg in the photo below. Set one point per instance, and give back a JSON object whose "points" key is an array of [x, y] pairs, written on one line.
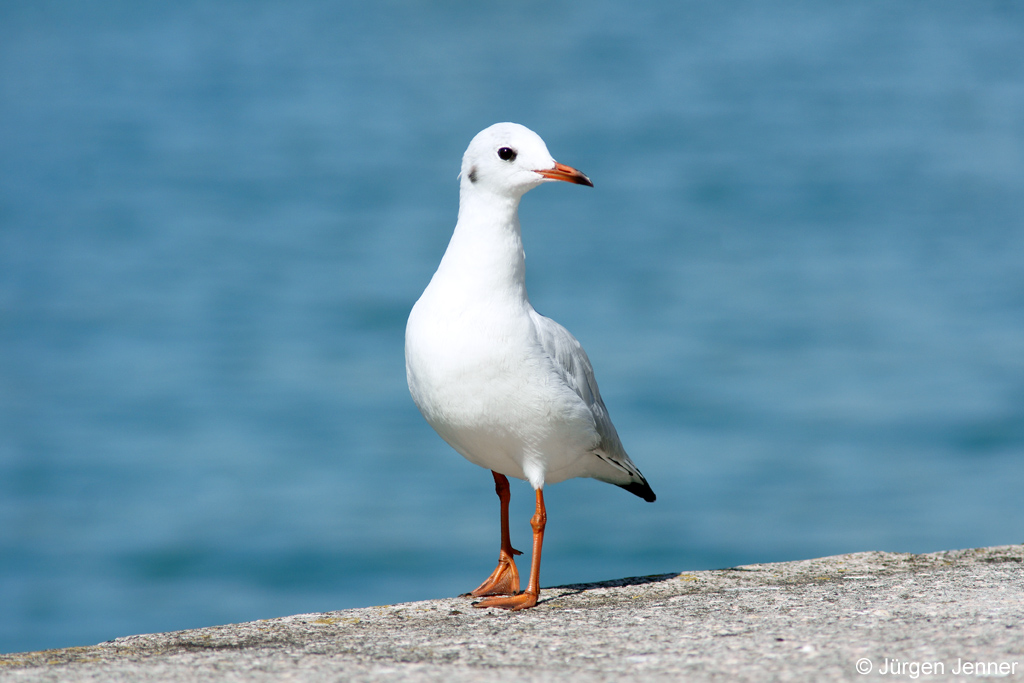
{"points": [[504, 580], [528, 598]]}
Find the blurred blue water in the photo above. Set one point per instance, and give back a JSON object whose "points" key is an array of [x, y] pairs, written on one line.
{"points": [[800, 277]]}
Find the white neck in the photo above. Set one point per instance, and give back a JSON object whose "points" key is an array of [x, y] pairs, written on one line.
{"points": [[485, 256]]}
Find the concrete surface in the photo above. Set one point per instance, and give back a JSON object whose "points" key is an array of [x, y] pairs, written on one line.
{"points": [[956, 615]]}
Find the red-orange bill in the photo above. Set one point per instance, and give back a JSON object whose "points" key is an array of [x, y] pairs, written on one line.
{"points": [[566, 173]]}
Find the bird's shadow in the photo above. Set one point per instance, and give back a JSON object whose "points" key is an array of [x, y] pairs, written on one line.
{"points": [[571, 589]]}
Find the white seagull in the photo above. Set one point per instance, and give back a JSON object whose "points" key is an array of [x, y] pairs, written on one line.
{"points": [[507, 388]]}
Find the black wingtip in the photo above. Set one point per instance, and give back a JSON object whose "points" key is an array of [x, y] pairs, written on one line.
{"points": [[642, 489]]}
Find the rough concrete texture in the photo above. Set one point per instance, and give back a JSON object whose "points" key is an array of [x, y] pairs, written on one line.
{"points": [[944, 616]]}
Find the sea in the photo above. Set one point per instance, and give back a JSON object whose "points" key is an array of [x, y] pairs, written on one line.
{"points": [[799, 276]]}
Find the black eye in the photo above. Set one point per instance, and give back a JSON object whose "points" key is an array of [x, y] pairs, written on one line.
{"points": [[507, 154]]}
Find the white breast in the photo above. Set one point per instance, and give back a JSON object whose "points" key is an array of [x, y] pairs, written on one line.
{"points": [[482, 380]]}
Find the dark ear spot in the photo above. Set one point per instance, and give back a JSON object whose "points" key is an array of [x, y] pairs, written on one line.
{"points": [[472, 174]]}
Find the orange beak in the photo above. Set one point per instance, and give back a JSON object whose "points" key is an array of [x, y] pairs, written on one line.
{"points": [[566, 173]]}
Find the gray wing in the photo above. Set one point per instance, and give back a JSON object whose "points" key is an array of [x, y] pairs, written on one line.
{"points": [[571, 362]]}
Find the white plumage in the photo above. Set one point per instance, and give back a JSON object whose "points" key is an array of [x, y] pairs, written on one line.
{"points": [[508, 388]]}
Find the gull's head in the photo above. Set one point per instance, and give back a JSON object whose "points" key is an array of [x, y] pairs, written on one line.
{"points": [[510, 159]]}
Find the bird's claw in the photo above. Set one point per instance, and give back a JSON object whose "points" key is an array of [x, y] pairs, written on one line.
{"points": [[510, 602]]}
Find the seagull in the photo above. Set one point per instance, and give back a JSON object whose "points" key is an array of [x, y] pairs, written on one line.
{"points": [[509, 389]]}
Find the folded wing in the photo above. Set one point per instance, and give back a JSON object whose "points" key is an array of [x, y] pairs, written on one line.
{"points": [[573, 365]]}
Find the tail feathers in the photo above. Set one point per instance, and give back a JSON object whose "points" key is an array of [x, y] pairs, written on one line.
{"points": [[640, 488]]}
